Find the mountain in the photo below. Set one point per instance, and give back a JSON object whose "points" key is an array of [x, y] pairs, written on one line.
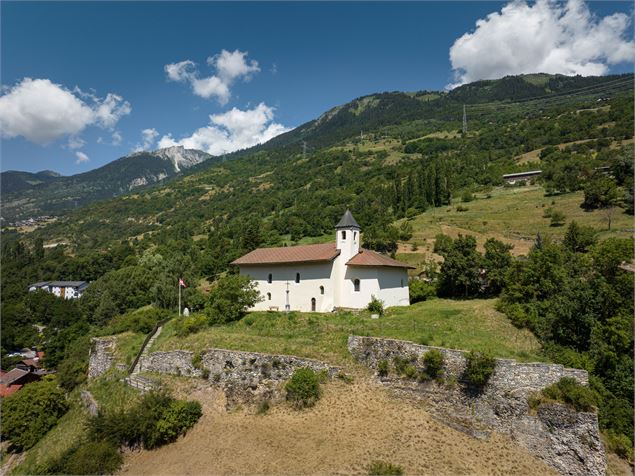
{"points": [[385, 156], [26, 194]]}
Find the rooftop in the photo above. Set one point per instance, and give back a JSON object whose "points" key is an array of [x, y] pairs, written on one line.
{"points": [[347, 221], [66, 284], [290, 254], [372, 258]]}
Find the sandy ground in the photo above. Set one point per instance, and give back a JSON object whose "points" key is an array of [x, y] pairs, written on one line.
{"points": [[352, 425]]}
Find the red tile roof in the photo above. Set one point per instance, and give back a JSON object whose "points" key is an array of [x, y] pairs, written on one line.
{"points": [[372, 258], [290, 254], [5, 390], [12, 376]]}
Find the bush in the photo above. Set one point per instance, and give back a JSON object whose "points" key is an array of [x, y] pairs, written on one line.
{"points": [[619, 444], [156, 420], [303, 388], [142, 320], [230, 299], [433, 361], [557, 218], [190, 324], [421, 291], [442, 244], [569, 391], [30, 413], [479, 368], [93, 457], [382, 368], [376, 306], [381, 468]]}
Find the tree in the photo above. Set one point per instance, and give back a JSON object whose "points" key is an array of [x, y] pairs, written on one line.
{"points": [[28, 414], [578, 238], [600, 192], [496, 262], [230, 298], [461, 269]]}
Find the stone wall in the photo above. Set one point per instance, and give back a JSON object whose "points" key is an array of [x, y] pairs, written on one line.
{"points": [[246, 377], [567, 440], [102, 356]]}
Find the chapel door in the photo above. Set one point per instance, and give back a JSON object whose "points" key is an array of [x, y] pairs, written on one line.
{"points": [[313, 304]]}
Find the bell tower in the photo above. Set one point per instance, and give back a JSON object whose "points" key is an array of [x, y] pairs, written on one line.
{"points": [[347, 236]]}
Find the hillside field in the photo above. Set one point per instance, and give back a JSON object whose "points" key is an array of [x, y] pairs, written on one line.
{"points": [[470, 325]]}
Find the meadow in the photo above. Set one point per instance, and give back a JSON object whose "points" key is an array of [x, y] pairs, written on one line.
{"points": [[470, 325]]}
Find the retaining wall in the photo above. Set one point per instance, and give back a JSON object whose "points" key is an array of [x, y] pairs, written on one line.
{"points": [[567, 440]]}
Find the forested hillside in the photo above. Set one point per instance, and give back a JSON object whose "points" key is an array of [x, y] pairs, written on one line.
{"points": [[390, 158]]}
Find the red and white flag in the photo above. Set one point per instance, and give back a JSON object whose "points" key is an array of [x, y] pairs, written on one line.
{"points": [[182, 283]]}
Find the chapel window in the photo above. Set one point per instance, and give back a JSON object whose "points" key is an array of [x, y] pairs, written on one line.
{"points": [[270, 278], [356, 284], [343, 234], [297, 278], [321, 289]]}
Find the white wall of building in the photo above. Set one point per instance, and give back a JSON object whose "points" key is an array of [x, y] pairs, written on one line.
{"points": [[390, 285], [312, 276]]}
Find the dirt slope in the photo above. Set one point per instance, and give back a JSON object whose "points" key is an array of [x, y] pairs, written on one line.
{"points": [[351, 426]]}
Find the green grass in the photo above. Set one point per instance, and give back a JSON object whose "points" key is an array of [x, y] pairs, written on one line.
{"points": [[517, 214], [470, 325], [128, 345]]}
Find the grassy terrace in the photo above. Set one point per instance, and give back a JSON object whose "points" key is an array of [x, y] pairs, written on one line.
{"points": [[471, 325]]}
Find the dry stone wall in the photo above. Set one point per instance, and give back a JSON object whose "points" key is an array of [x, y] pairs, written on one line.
{"points": [[102, 356], [246, 377], [567, 440]]}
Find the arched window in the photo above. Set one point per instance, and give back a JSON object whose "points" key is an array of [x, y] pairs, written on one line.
{"points": [[356, 284], [297, 277], [343, 234], [321, 289], [268, 296], [313, 304], [270, 278], [354, 235]]}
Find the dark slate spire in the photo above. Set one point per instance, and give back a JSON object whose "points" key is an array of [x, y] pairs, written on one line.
{"points": [[347, 221]]}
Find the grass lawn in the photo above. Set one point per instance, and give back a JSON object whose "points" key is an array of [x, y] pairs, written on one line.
{"points": [[471, 325], [128, 345]]}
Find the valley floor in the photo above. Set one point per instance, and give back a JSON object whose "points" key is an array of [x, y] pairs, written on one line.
{"points": [[351, 426]]}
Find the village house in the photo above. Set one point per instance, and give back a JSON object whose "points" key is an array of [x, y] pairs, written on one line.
{"points": [[63, 289], [327, 276]]}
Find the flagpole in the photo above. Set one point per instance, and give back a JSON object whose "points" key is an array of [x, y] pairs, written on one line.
{"points": [[179, 297]]}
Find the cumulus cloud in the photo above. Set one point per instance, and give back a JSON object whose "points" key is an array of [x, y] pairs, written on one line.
{"points": [[42, 111], [543, 37], [229, 67], [81, 157], [116, 138], [232, 130], [148, 136]]}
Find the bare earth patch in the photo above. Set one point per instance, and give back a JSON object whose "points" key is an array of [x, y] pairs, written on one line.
{"points": [[352, 425]]}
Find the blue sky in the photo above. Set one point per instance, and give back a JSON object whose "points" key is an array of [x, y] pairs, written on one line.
{"points": [[301, 59]]}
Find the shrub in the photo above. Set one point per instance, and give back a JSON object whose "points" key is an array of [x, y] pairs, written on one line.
{"points": [[230, 299], [467, 196], [569, 391], [190, 324], [461, 208], [433, 361], [30, 413], [156, 420], [92, 457], [479, 368], [442, 244], [557, 218], [303, 388], [376, 306], [421, 291], [381, 468], [382, 368], [404, 366], [263, 407], [619, 444]]}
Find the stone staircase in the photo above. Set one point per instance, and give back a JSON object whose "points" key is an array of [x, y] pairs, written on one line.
{"points": [[143, 384]]}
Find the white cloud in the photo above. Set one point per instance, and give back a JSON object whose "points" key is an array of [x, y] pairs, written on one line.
{"points": [[42, 111], [116, 138], [148, 136], [230, 131], [230, 66], [81, 157], [75, 142], [543, 37]]}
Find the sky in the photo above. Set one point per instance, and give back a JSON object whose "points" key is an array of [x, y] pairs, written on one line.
{"points": [[84, 83]]}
